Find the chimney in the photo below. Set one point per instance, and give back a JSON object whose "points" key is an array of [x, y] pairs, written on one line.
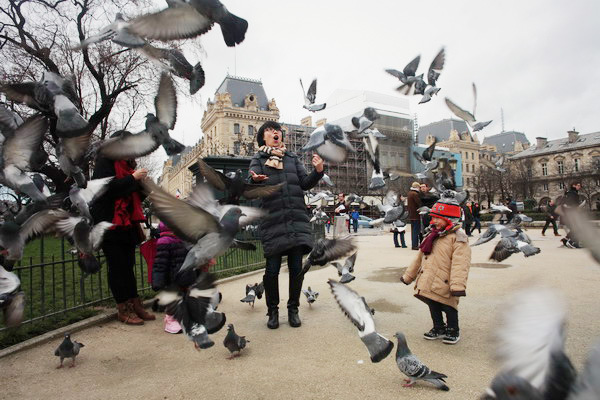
{"points": [[573, 135], [541, 142], [306, 121], [321, 122]]}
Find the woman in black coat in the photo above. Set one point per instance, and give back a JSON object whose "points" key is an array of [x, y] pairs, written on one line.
{"points": [[285, 230]]}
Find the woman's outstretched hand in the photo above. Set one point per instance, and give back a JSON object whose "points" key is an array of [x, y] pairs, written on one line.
{"points": [[317, 162], [258, 178], [140, 174]]}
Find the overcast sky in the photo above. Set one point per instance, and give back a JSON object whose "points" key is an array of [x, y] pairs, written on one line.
{"points": [[538, 60]]}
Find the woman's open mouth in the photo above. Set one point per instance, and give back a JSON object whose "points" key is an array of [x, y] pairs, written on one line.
{"points": [[275, 137]]}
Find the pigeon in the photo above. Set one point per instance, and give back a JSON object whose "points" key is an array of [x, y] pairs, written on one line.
{"points": [[492, 231], [9, 122], [507, 386], [118, 31], [39, 182], [327, 180], [391, 207], [211, 227], [354, 198], [83, 198], [188, 19], [318, 197], [511, 245], [407, 76], [426, 158], [377, 180], [372, 150], [361, 315], [311, 295], [253, 292], [195, 310], [365, 121], [319, 216], [173, 60], [467, 116], [12, 300], [124, 145], [233, 342], [327, 250], [587, 386], [71, 152], [497, 165], [414, 369], [310, 97], [68, 349], [432, 76], [234, 184], [330, 142], [346, 269], [499, 208], [159, 125]]}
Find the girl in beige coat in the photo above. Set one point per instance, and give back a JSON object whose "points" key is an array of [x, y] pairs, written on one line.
{"points": [[441, 270]]}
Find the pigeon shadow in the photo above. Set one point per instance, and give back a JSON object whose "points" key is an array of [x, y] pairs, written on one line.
{"points": [[490, 265], [382, 305], [387, 274]]}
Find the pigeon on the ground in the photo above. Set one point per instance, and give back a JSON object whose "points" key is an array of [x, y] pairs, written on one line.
{"points": [[311, 96], [327, 250], [188, 19], [467, 116], [234, 184], [233, 342], [253, 292], [365, 121], [211, 227], [330, 142], [511, 245], [311, 295], [12, 300], [82, 199], [435, 68], [414, 369], [361, 315], [327, 180], [407, 76], [345, 270], [118, 31], [68, 349]]}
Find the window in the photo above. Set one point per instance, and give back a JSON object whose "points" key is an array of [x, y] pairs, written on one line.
{"points": [[561, 166], [544, 169], [467, 167], [545, 187], [236, 147], [472, 156], [250, 130], [236, 128], [561, 185], [576, 165]]}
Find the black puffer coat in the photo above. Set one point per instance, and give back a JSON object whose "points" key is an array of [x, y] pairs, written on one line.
{"points": [[169, 258], [286, 224]]}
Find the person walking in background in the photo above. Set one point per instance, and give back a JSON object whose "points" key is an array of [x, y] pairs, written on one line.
{"points": [[413, 204], [476, 212], [571, 200], [354, 215], [551, 218], [468, 221]]}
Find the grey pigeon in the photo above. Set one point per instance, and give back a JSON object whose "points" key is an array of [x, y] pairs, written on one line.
{"points": [[211, 227], [124, 145], [511, 245], [414, 369], [377, 180], [432, 76], [327, 180], [82, 199], [118, 31], [235, 184], [69, 121], [188, 19], [196, 309], [360, 314], [354, 198], [365, 121], [496, 165], [507, 386], [9, 122], [12, 300], [467, 116], [311, 295], [253, 292], [71, 152], [492, 231], [327, 250], [68, 349], [319, 216], [330, 142], [372, 150], [345, 270], [234, 342], [426, 158], [310, 97], [318, 197], [39, 182], [173, 60], [407, 76]]}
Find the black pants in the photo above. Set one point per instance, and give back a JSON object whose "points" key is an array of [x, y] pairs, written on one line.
{"points": [[548, 222], [120, 258], [415, 228], [436, 309], [271, 278], [401, 239]]}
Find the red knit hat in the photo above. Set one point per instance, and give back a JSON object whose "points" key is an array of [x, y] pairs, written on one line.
{"points": [[448, 209]]}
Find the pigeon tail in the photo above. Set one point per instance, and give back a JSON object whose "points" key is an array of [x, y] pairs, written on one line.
{"points": [[172, 146], [378, 346], [233, 29], [438, 383], [248, 299], [214, 321], [377, 182], [79, 178], [89, 264], [529, 250], [347, 278]]}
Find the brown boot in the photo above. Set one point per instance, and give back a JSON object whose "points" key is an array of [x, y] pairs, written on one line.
{"points": [[138, 308], [127, 315]]}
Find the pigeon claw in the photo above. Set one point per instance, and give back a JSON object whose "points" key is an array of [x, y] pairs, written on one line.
{"points": [[407, 384]]}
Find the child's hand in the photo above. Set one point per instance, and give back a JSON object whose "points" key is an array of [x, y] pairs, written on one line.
{"points": [[402, 280], [458, 293]]}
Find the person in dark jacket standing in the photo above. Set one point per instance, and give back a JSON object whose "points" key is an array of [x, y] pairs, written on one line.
{"points": [[551, 218], [428, 199], [476, 211], [413, 204], [468, 221], [121, 205], [571, 200], [285, 230]]}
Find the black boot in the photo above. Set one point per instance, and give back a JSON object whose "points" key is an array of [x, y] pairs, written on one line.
{"points": [[271, 284], [294, 300]]}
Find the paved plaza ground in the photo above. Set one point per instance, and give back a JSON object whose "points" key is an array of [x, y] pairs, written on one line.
{"points": [[324, 359]]}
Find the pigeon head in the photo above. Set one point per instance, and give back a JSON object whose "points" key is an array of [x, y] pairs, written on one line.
{"points": [[402, 345], [230, 327], [196, 78], [510, 386], [68, 335]]}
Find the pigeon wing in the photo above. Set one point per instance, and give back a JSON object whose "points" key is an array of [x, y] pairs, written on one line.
{"points": [[165, 101], [214, 177], [317, 138], [503, 250], [19, 148], [474, 100], [428, 152], [9, 121], [411, 67], [350, 262], [312, 92], [587, 386], [128, 146], [181, 22], [66, 226], [76, 147], [254, 191], [396, 73], [351, 303], [41, 222], [459, 112], [95, 188], [333, 249], [98, 232], [436, 67], [583, 230]]}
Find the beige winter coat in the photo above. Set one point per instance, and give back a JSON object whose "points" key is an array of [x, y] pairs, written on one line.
{"points": [[444, 270]]}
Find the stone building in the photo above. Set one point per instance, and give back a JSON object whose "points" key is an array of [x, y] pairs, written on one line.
{"points": [[509, 142]]}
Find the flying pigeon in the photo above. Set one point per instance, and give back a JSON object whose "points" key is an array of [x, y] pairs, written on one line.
{"points": [[582, 230], [492, 231], [426, 158], [499, 208], [310, 97], [211, 227], [12, 300], [124, 145], [318, 197], [83, 198], [346, 269], [407, 76], [319, 216], [330, 142], [173, 60], [68, 349], [233, 342], [235, 185], [253, 292], [377, 181], [117, 31], [71, 152], [432, 76], [354, 198], [467, 116], [185, 20], [497, 165], [327, 250], [365, 121], [507, 386], [64, 97], [414, 369], [511, 245], [327, 180], [311, 295], [9, 122], [361, 315]]}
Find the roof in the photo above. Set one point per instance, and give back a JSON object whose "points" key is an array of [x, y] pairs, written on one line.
{"points": [[238, 88], [441, 129], [505, 141], [175, 158], [561, 145]]}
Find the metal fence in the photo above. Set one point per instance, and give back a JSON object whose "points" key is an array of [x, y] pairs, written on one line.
{"points": [[51, 278]]}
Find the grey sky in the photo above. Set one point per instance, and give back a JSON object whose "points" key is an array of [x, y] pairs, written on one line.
{"points": [[539, 60]]}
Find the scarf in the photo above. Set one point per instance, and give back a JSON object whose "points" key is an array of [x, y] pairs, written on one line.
{"points": [[275, 156], [427, 244], [127, 209]]}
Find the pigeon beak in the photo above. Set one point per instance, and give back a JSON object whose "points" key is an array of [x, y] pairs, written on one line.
{"points": [[243, 215]]}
